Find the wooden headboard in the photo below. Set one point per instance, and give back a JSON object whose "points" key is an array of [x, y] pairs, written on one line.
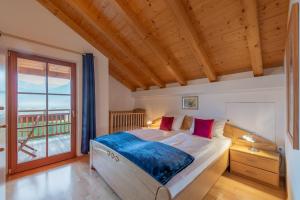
{"points": [[156, 122], [235, 133], [186, 123]]}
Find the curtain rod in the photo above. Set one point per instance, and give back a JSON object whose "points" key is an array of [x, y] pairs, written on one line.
{"points": [[39, 43]]}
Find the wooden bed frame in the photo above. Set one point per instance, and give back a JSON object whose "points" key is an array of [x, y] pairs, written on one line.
{"points": [[130, 182]]}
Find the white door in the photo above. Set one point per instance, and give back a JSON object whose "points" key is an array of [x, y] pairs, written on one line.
{"points": [[2, 126]]}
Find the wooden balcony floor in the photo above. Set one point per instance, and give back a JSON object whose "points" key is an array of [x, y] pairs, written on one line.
{"points": [[56, 144]]}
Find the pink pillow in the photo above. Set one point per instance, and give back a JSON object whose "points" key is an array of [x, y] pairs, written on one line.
{"points": [[166, 123], [203, 127]]}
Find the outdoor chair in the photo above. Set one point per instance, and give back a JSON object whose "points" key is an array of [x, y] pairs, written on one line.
{"points": [[24, 142]]}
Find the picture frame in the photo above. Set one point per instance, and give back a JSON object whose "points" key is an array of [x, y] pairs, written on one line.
{"points": [[292, 76], [190, 102]]}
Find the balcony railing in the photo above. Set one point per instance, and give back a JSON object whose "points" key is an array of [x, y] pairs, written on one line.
{"points": [[58, 124]]}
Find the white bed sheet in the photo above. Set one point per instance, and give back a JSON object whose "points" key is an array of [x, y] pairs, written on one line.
{"points": [[153, 134], [205, 151]]}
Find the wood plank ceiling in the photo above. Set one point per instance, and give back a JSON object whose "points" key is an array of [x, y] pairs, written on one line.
{"points": [[156, 42]]}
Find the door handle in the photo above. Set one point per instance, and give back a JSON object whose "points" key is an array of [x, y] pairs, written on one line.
{"points": [[1, 149]]}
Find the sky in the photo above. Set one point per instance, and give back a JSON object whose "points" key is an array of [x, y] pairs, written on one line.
{"points": [[36, 84]]}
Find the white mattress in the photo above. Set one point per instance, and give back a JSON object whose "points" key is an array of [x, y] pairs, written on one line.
{"points": [[205, 151]]}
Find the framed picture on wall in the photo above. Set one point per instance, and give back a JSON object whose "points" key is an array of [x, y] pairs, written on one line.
{"points": [[292, 76], [190, 102]]}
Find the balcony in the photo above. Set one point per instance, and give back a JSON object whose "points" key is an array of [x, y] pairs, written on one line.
{"points": [[32, 131]]}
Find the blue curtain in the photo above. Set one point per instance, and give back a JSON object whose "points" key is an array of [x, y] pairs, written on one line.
{"points": [[88, 103]]}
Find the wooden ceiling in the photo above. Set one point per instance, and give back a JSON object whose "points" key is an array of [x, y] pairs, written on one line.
{"points": [[155, 42]]}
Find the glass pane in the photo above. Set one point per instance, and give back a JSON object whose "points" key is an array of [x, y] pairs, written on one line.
{"points": [[31, 144], [59, 79], [31, 119], [31, 76], [56, 102], [59, 140], [31, 102], [59, 117]]}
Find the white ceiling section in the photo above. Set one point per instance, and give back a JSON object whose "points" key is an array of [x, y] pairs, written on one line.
{"points": [[28, 19]]}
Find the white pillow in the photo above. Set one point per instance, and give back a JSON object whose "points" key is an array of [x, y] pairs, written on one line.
{"points": [[218, 127], [191, 130], [178, 119]]}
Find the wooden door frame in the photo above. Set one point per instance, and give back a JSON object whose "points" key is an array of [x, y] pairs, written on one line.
{"points": [[12, 110]]}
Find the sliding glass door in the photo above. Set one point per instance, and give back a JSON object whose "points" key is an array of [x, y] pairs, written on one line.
{"points": [[42, 117]]}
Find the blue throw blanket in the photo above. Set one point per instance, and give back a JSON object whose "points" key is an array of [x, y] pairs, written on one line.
{"points": [[159, 160]]}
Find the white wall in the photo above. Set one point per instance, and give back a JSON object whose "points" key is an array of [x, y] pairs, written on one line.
{"points": [[102, 93], [33, 21], [120, 97], [292, 162], [256, 104]]}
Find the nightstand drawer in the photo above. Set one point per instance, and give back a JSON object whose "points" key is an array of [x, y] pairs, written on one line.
{"points": [[255, 161], [259, 174]]}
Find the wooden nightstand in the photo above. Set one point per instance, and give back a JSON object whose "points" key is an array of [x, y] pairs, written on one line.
{"points": [[263, 165]]}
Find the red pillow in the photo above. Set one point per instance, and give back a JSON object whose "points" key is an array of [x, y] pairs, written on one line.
{"points": [[166, 123], [203, 127]]}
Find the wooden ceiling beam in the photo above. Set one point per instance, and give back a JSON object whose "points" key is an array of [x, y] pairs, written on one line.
{"points": [[190, 34], [92, 16], [88, 37], [150, 40], [253, 36]]}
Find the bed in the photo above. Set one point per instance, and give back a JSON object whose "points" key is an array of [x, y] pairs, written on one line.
{"points": [[131, 182]]}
